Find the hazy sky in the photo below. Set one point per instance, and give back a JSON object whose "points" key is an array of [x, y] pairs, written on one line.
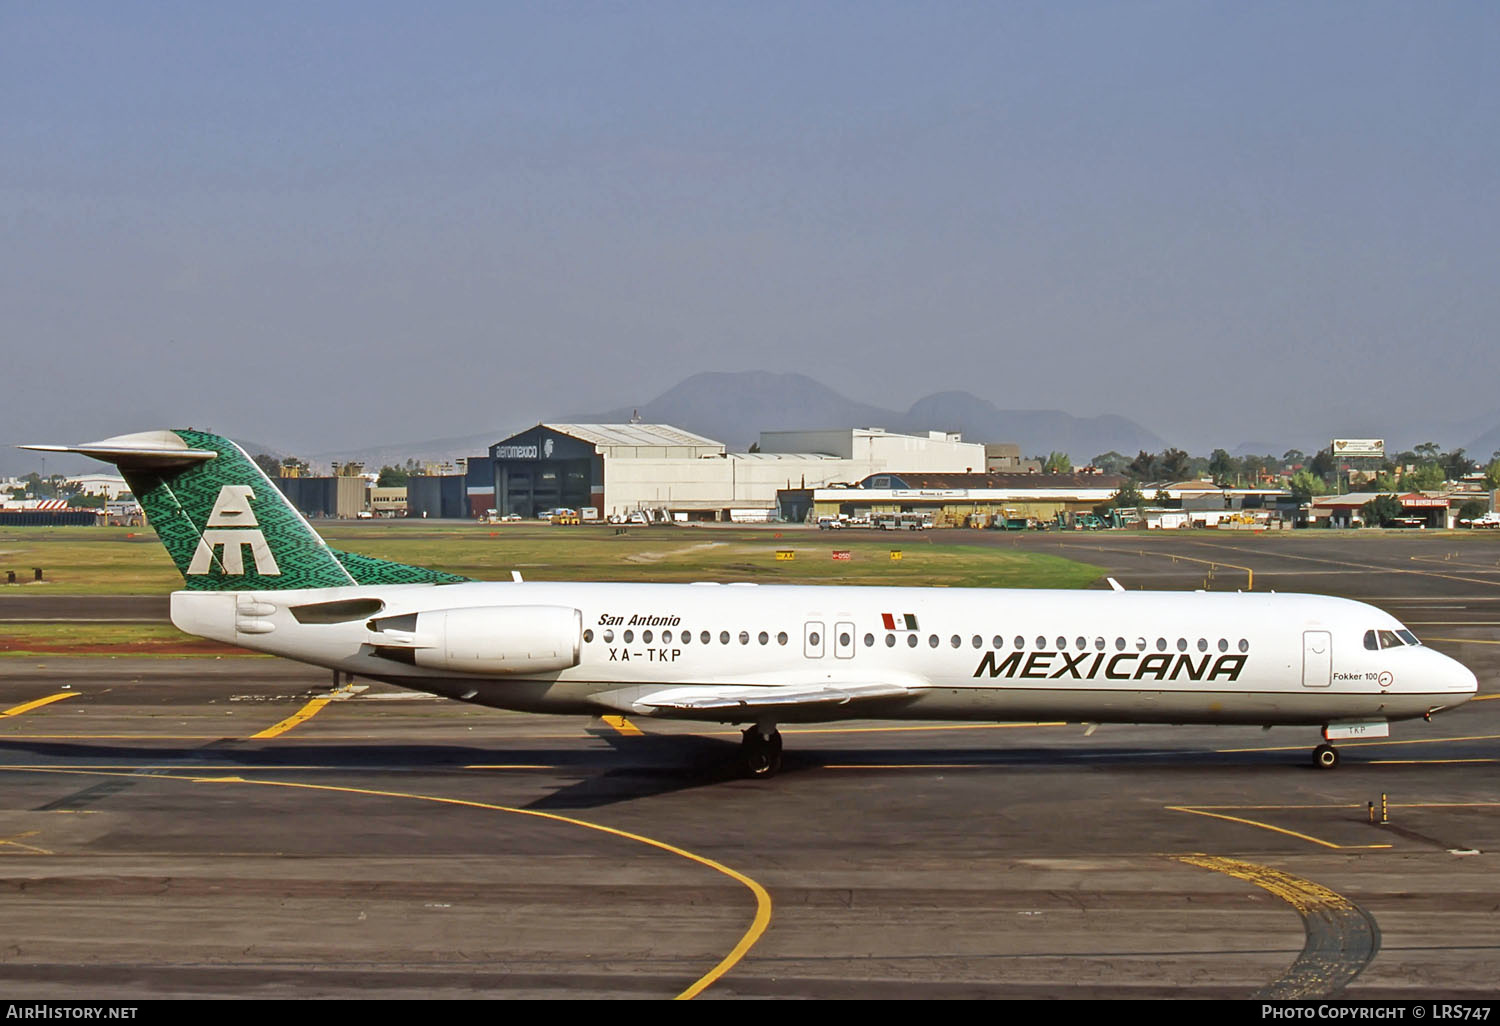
{"points": [[329, 225]]}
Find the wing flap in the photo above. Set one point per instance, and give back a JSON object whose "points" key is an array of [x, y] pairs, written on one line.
{"points": [[713, 699]]}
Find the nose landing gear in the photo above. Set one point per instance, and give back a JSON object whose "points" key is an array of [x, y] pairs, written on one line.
{"points": [[760, 751]]}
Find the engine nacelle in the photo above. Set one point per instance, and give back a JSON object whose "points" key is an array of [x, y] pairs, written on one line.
{"points": [[486, 639]]}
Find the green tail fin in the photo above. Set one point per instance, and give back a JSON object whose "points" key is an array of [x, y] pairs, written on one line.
{"points": [[226, 526]]}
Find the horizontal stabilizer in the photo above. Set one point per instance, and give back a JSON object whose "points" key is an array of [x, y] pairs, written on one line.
{"points": [[709, 699], [146, 450]]}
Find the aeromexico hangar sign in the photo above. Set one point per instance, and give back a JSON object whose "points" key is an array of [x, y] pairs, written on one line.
{"points": [[526, 452], [541, 444]]}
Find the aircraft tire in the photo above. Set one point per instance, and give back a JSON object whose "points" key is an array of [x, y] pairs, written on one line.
{"points": [[1326, 757], [761, 757]]}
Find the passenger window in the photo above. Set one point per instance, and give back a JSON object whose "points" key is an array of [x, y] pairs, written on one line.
{"points": [[1161, 644], [723, 637], [628, 637], [1020, 641], [687, 637], [1182, 644], [814, 639], [666, 637], [745, 638], [588, 635], [1083, 643], [646, 637], [1119, 644], [955, 641], [890, 641], [1041, 642], [1202, 644], [705, 637], [781, 637], [1223, 644], [1062, 644], [998, 642], [609, 636], [1244, 645], [932, 641], [1099, 644], [763, 638], [911, 641], [869, 640], [978, 641], [1140, 644]]}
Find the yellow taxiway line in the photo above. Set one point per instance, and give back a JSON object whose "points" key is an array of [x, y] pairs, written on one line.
{"points": [[748, 939], [15, 842], [1329, 919], [304, 714], [26, 707], [623, 725], [1267, 826]]}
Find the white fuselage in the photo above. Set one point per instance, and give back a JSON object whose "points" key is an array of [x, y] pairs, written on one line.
{"points": [[965, 654]]}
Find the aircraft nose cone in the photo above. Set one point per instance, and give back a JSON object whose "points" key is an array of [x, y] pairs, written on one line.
{"points": [[1459, 679], [1468, 683]]}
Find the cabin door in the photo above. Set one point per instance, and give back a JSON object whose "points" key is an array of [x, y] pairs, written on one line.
{"points": [[1317, 659]]}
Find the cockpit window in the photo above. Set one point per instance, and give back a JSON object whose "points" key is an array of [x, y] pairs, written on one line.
{"points": [[1408, 637], [1388, 639], [1370, 642]]}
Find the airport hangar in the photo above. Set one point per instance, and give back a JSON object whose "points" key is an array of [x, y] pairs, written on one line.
{"points": [[620, 469]]}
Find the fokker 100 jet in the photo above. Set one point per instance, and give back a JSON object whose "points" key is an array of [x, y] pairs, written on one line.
{"points": [[259, 577]]}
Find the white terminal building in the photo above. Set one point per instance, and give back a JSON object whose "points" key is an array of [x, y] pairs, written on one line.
{"points": [[620, 469]]}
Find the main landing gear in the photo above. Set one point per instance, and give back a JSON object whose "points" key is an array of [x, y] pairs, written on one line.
{"points": [[760, 751], [1326, 757]]}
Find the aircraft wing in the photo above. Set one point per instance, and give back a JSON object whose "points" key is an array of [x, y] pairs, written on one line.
{"points": [[763, 698]]}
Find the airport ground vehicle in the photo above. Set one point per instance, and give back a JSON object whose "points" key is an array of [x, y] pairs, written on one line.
{"points": [[256, 575]]}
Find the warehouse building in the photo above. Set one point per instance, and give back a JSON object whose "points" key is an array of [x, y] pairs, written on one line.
{"points": [[345, 495], [965, 500], [620, 469]]}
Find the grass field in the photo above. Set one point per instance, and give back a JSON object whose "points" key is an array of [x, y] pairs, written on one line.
{"points": [[106, 639], [121, 561]]}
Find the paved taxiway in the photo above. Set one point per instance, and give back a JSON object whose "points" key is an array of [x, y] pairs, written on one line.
{"points": [[371, 844]]}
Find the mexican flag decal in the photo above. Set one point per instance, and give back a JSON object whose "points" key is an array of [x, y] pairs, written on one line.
{"points": [[899, 621]]}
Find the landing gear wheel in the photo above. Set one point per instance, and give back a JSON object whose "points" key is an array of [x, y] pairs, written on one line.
{"points": [[1325, 757], [761, 755]]}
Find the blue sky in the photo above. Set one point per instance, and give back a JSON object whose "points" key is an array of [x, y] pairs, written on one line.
{"points": [[344, 224]]}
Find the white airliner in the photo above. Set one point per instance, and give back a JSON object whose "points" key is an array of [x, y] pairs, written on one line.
{"points": [[259, 577]]}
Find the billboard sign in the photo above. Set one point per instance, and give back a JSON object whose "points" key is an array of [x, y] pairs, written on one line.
{"points": [[1359, 448]]}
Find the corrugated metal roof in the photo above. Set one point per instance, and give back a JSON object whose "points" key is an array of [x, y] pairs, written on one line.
{"points": [[632, 434]]}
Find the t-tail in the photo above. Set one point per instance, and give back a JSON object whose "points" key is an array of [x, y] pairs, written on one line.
{"points": [[226, 526]]}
